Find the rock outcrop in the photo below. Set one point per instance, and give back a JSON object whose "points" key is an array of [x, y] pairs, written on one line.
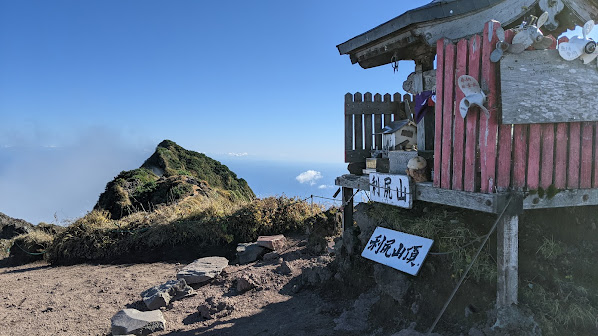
{"points": [[202, 270], [12, 227], [170, 174], [133, 321], [162, 295]]}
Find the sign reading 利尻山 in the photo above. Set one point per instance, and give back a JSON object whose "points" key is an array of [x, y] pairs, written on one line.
{"points": [[391, 189], [398, 250]]}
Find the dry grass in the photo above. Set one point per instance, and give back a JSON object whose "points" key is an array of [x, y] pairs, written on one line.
{"points": [[200, 222]]}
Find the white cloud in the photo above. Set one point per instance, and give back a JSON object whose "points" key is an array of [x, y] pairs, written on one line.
{"points": [[238, 154], [325, 186], [310, 176]]}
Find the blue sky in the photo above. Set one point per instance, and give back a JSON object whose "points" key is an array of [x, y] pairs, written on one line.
{"points": [[89, 88]]}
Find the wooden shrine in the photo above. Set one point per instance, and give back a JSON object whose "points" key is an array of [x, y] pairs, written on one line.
{"points": [[535, 148]]}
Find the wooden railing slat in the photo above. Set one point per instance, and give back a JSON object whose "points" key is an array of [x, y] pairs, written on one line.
{"points": [[587, 141], [471, 180], [489, 124], [447, 115], [547, 166], [574, 154], [358, 136], [438, 113], [459, 130], [367, 124], [533, 158], [560, 158]]}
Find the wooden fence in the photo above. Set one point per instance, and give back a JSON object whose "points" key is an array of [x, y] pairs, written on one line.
{"points": [[479, 154], [365, 118]]}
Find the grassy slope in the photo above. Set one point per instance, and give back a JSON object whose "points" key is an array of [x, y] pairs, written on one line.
{"points": [[184, 173]]}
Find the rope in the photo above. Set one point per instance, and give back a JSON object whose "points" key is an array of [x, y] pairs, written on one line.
{"points": [[22, 249], [326, 198], [469, 266]]}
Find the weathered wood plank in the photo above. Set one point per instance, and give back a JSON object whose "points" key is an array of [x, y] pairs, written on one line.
{"points": [[505, 146], [447, 115], [547, 166], [401, 111], [387, 119], [371, 107], [533, 74], [574, 154], [587, 142], [489, 124], [378, 130], [564, 198], [533, 158], [459, 130], [367, 124], [471, 180], [560, 159], [348, 126], [519, 156], [438, 113], [503, 173], [425, 191], [358, 125], [507, 241]]}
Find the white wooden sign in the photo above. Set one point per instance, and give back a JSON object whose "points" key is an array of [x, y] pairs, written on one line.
{"points": [[391, 189], [398, 250]]}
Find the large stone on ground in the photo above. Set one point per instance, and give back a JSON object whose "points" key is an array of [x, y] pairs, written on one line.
{"points": [[275, 243], [249, 252], [133, 321], [202, 270], [160, 296]]}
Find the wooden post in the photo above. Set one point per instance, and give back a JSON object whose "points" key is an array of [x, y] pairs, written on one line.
{"points": [[508, 253], [348, 208]]}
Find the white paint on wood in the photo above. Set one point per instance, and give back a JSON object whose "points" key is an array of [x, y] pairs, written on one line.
{"points": [[540, 87], [398, 250], [508, 261], [391, 189]]}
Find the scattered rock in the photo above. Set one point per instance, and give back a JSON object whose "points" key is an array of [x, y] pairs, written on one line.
{"points": [[249, 252], [160, 296], [355, 318], [285, 268], [214, 308], [275, 243], [271, 256], [132, 321], [316, 275], [475, 332], [512, 321], [391, 282], [202, 270], [366, 224], [245, 282]]}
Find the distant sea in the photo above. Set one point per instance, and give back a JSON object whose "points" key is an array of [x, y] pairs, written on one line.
{"points": [[59, 185], [276, 178]]}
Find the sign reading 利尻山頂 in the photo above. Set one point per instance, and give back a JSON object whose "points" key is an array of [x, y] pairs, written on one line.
{"points": [[391, 189], [398, 250]]}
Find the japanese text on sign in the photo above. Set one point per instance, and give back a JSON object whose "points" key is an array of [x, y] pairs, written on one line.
{"points": [[391, 189], [398, 250]]}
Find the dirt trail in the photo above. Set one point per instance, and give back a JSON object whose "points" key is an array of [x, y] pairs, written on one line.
{"points": [[38, 299]]}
